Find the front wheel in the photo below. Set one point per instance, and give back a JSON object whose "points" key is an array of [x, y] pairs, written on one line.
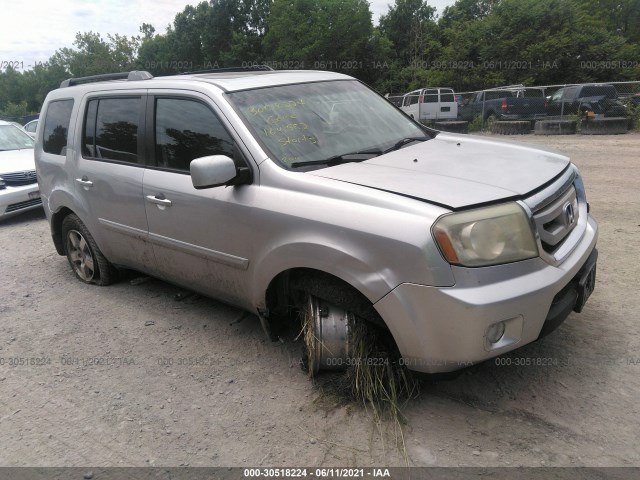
{"points": [[83, 254], [327, 335]]}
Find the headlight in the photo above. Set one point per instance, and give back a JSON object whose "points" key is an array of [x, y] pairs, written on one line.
{"points": [[486, 236], [2, 184]]}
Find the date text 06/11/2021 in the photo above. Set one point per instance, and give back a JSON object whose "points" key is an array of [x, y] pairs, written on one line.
{"points": [[316, 473]]}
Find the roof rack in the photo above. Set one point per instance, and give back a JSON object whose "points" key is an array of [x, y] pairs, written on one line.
{"points": [[133, 75], [252, 68]]}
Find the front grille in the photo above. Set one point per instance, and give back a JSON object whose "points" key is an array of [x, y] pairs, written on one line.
{"points": [[26, 204], [556, 220], [20, 178]]}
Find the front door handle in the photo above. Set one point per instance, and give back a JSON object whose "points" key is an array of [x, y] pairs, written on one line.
{"points": [[159, 200], [85, 182]]}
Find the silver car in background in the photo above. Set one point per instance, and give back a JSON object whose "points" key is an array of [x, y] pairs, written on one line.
{"points": [[305, 190], [19, 190]]}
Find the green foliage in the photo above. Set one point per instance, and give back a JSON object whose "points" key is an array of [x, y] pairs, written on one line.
{"points": [[93, 55], [474, 44], [319, 33], [409, 24], [633, 113], [14, 111], [476, 125]]}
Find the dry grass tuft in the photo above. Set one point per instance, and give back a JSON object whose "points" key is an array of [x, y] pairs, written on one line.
{"points": [[375, 377]]}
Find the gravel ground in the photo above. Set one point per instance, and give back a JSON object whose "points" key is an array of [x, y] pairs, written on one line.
{"points": [[130, 375]]}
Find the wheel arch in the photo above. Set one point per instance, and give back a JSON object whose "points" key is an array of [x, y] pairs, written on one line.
{"points": [[281, 293], [325, 258], [56, 228], [313, 266], [58, 204]]}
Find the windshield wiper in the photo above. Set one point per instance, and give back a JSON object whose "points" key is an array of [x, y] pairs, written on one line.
{"points": [[360, 156], [403, 142]]}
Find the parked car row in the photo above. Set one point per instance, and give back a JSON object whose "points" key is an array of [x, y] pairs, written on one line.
{"points": [[520, 103], [513, 103], [18, 181]]}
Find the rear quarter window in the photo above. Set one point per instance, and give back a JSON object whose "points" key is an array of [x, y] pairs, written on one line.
{"points": [[56, 127]]}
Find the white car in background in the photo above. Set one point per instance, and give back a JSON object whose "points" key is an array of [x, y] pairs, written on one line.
{"points": [[19, 190], [31, 128], [430, 104]]}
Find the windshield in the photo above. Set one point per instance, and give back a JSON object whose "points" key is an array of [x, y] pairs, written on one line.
{"points": [[12, 138], [316, 121]]}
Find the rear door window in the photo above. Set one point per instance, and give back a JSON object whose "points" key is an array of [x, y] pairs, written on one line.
{"points": [[446, 95], [431, 96], [111, 129], [56, 127]]}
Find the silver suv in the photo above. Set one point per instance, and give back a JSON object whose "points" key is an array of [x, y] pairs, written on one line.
{"points": [[275, 190]]}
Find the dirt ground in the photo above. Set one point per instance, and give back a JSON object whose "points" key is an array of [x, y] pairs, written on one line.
{"points": [[128, 375]]}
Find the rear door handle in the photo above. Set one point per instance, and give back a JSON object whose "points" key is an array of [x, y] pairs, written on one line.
{"points": [[159, 200], [85, 182]]}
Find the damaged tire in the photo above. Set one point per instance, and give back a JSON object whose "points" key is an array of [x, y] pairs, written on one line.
{"points": [[327, 331], [86, 260]]}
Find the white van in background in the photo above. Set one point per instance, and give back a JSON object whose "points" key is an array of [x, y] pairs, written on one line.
{"points": [[430, 104]]}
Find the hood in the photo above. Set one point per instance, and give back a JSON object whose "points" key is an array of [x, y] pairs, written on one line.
{"points": [[16, 161], [455, 171]]}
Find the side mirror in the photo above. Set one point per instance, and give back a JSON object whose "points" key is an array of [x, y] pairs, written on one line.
{"points": [[216, 171]]}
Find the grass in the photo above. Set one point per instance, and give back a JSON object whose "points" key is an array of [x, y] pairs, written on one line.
{"points": [[375, 378], [476, 125]]}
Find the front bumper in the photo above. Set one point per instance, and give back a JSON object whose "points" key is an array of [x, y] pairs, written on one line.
{"points": [[15, 200], [441, 329]]}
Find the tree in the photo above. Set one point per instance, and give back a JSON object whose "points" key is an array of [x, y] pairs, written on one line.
{"points": [[93, 55], [546, 41], [466, 10], [325, 34], [409, 25]]}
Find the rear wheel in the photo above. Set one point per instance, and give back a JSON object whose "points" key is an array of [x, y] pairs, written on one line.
{"points": [[491, 120], [83, 254]]}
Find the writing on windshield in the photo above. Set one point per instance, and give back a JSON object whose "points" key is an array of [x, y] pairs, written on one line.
{"points": [[313, 121]]}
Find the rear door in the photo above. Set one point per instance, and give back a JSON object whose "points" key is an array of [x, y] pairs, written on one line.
{"points": [[430, 106], [202, 238], [448, 107], [110, 168]]}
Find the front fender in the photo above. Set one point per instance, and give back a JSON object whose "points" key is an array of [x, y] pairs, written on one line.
{"points": [[329, 259]]}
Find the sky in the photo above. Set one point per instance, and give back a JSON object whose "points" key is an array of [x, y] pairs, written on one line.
{"points": [[32, 31]]}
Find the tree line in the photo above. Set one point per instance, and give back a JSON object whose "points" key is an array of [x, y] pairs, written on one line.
{"points": [[473, 44]]}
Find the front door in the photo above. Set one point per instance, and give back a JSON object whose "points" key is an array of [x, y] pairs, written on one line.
{"points": [[202, 238]]}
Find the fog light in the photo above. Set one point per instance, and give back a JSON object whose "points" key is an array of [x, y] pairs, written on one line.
{"points": [[495, 332]]}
